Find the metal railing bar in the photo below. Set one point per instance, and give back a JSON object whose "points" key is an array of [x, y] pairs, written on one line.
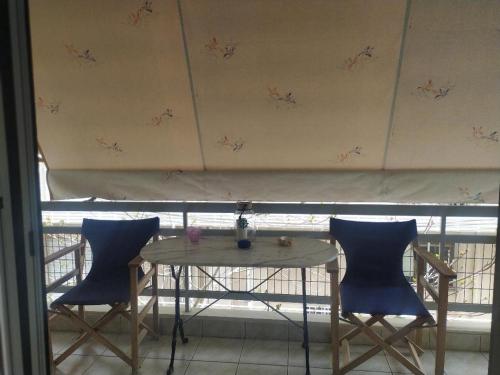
{"points": [[278, 208], [276, 310], [265, 280], [458, 238], [443, 252], [187, 303], [205, 307], [290, 298]]}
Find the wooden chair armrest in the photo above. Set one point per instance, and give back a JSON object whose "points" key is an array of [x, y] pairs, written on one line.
{"points": [[136, 262], [435, 263], [332, 266], [60, 281], [60, 253]]}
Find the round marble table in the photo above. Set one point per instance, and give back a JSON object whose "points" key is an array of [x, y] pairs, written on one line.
{"points": [[222, 251]]}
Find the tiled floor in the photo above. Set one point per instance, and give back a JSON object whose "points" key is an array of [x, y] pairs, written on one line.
{"points": [[216, 356]]}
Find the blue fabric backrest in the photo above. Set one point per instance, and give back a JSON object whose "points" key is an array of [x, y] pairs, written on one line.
{"points": [[115, 243], [374, 250]]}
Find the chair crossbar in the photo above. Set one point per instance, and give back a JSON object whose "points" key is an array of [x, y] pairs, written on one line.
{"points": [[146, 309], [406, 339], [92, 331], [141, 336], [356, 331], [126, 315], [414, 354], [85, 336], [346, 351], [377, 339], [385, 344], [145, 280]]}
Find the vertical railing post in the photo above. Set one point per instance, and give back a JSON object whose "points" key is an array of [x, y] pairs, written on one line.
{"points": [[186, 270], [443, 253]]}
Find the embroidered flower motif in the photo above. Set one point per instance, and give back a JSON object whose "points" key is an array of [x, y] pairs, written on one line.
{"points": [[136, 17], [478, 133], [226, 50], [355, 151], [428, 90], [287, 98], [359, 59], [52, 107], [114, 146], [84, 55], [168, 175], [468, 197], [162, 118], [233, 145]]}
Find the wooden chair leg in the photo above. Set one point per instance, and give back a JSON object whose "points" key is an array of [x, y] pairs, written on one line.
{"points": [[156, 314], [79, 265], [81, 312], [134, 319], [51, 353], [335, 328], [441, 325], [419, 272]]}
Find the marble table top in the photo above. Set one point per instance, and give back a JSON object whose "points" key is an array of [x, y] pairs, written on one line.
{"points": [[223, 251]]}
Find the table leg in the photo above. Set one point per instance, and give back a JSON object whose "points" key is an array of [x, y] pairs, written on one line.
{"points": [[178, 324], [306, 330]]}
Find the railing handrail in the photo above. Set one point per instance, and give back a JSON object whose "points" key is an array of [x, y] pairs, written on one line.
{"points": [[277, 208]]}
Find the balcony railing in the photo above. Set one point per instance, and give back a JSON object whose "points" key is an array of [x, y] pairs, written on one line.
{"points": [[463, 236]]}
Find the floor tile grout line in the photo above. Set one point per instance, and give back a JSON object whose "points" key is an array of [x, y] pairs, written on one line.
{"points": [[196, 348], [288, 357], [239, 358], [480, 356], [90, 366]]}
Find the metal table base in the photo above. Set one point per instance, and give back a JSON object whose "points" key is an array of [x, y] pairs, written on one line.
{"points": [[179, 322]]}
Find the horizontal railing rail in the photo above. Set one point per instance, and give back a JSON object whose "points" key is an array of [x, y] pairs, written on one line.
{"points": [[291, 298], [278, 208]]}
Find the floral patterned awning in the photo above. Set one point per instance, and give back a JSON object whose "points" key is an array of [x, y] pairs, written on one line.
{"points": [[258, 85]]}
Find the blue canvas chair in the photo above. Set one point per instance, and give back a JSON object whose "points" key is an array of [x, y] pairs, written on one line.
{"points": [[116, 279], [374, 285]]}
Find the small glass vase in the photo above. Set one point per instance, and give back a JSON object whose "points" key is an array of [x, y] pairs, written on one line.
{"points": [[244, 221]]}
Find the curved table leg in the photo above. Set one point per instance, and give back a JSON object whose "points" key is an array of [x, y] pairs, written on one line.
{"points": [[178, 324]]}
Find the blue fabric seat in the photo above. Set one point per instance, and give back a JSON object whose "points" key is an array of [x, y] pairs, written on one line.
{"points": [[374, 282], [114, 243]]}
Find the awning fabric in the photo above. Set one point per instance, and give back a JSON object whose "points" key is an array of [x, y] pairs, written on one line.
{"points": [[463, 187], [288, 100]]}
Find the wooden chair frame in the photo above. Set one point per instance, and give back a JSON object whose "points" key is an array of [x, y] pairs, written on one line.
{"points": [[422, 257], [138, 328]]}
